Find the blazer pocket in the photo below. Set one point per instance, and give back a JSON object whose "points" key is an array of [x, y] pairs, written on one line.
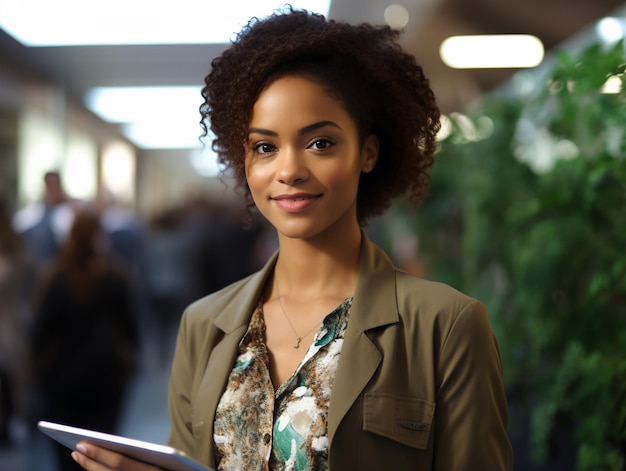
{"points": [[405, 420]]}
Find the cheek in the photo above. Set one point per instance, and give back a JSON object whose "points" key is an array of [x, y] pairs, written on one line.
{"points": [[341, 178], [256, 177]]}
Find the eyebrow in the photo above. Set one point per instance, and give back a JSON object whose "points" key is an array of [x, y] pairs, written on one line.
{"points": [[304, 130]]}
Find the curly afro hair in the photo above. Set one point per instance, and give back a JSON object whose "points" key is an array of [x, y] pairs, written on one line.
{"points": [[362, 66]]}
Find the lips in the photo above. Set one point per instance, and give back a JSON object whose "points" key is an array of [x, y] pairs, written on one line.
{"points": [[296, 202]]}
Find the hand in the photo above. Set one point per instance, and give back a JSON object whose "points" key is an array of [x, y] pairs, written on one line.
{"points": [[95, 458]]}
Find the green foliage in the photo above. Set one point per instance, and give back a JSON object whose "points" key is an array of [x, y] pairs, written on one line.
{"points": [[545, 247]]}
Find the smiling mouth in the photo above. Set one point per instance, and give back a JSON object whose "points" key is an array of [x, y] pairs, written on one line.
{"points": [[295, 198], [295, 203]]}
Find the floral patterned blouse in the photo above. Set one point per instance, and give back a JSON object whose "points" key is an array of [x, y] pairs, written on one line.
{"points": [[257, 428]]}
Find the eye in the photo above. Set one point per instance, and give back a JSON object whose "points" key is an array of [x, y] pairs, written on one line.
{"points": [[263, 148], [321, 144]]}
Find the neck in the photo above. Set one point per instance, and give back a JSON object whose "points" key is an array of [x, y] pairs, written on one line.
{"points": [[308, 268]]}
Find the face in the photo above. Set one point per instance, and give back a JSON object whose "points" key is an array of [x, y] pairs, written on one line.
{"points": [[304, 159]]}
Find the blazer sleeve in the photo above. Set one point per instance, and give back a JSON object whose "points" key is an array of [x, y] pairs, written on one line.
{"points": [[471, 412]]}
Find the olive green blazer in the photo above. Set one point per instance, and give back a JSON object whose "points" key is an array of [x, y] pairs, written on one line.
{"points": [[418, 385]]}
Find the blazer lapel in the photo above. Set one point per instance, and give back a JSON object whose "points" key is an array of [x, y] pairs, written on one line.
{"points": [[374, 306], [233, 321], [216, 373]]}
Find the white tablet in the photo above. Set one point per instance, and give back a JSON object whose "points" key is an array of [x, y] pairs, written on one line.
{"points": [[161, 456]]}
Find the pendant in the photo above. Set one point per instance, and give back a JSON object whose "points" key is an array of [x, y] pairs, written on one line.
{"points": [[298, 340]]}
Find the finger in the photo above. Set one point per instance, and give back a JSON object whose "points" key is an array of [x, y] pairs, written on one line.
{"points": [[95, 458], [88, 463]]}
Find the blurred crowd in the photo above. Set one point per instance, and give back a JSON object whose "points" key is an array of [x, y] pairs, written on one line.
{"points": [[90, 293]]}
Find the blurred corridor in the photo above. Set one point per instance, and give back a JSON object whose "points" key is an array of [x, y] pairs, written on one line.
{"points": [[144, 417], [177, 256]]}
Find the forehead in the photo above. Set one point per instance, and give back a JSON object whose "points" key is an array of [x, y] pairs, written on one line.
{"points": [[295, 99]]}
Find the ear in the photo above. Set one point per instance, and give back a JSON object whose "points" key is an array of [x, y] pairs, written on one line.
{"points": [[369, 153]]}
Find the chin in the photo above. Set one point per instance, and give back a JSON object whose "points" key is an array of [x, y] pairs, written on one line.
{"points": [[297, 234], [298, 231]]}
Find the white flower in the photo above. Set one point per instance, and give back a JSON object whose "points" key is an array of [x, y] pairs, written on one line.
{"points": [[319, 443]]}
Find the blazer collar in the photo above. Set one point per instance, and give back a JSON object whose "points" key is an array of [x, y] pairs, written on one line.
{"points": [[374, 302], [243, 298]]}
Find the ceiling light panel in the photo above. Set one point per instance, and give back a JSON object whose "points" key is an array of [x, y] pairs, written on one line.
{"points": [[151, 117], [123, 22], [492, 51]]}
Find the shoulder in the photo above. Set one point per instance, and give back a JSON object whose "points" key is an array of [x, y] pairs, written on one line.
{"points": [[213, 303], [430, 296], [387, 294], [436, 307]]}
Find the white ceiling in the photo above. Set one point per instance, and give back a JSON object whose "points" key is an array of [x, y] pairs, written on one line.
{"points": [[77, 69]]}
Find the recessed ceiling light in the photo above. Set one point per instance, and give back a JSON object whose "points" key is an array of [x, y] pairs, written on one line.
{"points": [[122, 22], [151, 117], [492, 51], [397, 16]]}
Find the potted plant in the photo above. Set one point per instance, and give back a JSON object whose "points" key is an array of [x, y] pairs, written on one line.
{"points": [[528, 214]]}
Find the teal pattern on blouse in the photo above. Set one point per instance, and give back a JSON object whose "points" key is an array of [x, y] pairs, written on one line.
{"points": [[287, 429]]}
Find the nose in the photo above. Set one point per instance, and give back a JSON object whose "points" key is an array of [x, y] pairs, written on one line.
{"points": [[292, 167]]}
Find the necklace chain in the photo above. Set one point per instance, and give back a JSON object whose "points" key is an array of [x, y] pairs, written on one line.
{"points": [[282, 308]]}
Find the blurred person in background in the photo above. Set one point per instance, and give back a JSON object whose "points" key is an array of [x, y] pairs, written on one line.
{"points": [[124, 229], [44, 224], [222, 250], [168, 282], [193, 250], [15, 276], [85, 332]]}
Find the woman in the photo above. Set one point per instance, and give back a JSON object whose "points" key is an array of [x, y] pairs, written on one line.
{"points": [[329, 357], [85, 333]]}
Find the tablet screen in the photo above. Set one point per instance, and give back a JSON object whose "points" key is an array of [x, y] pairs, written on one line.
{"points": [[162, 456]]}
